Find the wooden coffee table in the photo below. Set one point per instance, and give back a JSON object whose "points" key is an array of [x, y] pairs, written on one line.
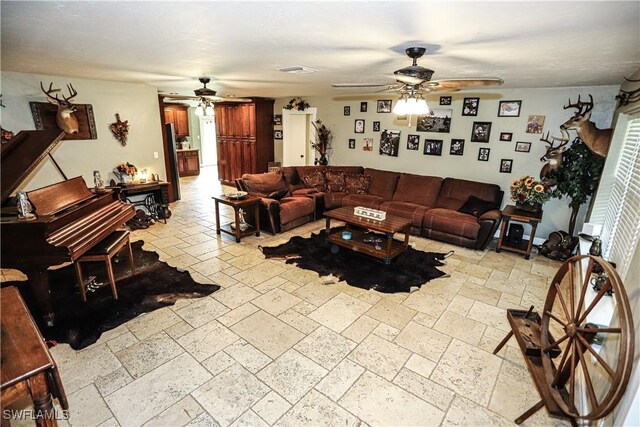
{"points": [[358, 226]]}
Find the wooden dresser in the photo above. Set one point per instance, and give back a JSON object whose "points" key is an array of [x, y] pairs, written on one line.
{"points": [[244, 134], [188, 162]]}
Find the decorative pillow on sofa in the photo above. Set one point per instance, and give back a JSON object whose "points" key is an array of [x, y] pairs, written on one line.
{"points": [[335, 181], [316, 180], [477, 207], [357, 183], [277, 195]]}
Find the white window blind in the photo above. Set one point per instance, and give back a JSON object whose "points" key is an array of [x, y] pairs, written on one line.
{"points": [[621, 228]]}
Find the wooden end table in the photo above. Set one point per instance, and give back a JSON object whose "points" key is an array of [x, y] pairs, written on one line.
{"points": [[391, 225], [237, 204], [511, 213]]}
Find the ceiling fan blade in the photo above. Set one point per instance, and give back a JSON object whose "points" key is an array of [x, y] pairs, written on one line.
{"points": [[210, 98], [457, 84], [409, 79], [348, 85]]}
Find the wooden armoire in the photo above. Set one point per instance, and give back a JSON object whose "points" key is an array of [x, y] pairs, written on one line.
{"points": [[244, 135]]}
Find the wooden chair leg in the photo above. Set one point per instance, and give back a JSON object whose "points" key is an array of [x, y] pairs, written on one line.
{"points": [[503, 342], [83, 293], [112, 280], [133, 266]]}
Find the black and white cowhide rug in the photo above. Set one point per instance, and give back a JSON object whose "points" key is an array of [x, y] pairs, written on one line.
{"points": [[409, 270], [154, 286]]}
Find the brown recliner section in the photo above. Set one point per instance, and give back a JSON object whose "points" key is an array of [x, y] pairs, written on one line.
{"points": [[276, 215]]}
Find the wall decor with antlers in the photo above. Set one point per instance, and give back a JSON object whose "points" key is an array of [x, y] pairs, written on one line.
{"points": [[553, 156], [75, 119], [626, 97], [597, 140]]}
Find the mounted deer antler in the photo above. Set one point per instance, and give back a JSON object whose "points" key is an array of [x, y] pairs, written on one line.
{"points": [[553, 156], [597, 140], [64, 116]]}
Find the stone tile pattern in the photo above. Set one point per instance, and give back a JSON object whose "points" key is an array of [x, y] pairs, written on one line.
{"points": [[282, 346]]}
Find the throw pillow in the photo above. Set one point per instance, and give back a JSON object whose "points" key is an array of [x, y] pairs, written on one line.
{"points": [[357, 183], [315, 180], [335, 181], [477, 207], [277, 195]]}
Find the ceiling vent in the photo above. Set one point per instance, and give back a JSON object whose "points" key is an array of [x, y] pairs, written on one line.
{"points": [[297, 69]]}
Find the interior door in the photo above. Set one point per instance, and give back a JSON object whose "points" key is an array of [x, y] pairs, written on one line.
{"points": [[297, 136]]}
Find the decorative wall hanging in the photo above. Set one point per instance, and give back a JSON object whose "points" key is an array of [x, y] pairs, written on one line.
{"points": [[277, 134], [352, 143], [120, 130], [481, 131], [277, 119], [413, 142], [470, 106], [44, 117], [596, 140], [505, 165], [457, 147], [346, 110], [438, 120], [553, 157], [363, 107], [523, 147], [65, 110], [506, 136], [358, 126], [389, 143], [483, 154], [626, 97], [433, 147], [297, 104], [509, 108], [445, 100], [376, 126], [367, 144], [535, 124], [384, 106]]}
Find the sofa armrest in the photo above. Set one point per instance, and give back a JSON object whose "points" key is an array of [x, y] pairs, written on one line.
{"points": [[494, 215], [304, 191], [489, 223]]}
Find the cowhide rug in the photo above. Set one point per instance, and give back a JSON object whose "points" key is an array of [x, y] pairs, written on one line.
{"points": [[154, 286], [409, 270]]}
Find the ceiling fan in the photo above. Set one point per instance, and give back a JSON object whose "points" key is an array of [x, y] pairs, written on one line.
{"points": [[205, 94], [415, 78]]}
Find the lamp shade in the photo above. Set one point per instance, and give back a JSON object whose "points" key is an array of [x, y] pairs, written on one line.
{"points": [[209, 110], [401, 107], [199, 111]]}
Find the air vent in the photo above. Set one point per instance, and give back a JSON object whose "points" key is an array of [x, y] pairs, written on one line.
{"points": [[297, 69]]}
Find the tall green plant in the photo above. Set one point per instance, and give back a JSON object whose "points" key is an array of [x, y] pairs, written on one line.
{"points": [[578, 177]]}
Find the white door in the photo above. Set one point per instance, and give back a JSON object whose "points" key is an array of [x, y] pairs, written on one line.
{"points": [[208, 141], [297, 136]]}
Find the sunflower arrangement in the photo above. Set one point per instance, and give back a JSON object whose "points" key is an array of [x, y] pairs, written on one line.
{"points": [[297, 104], [527, 190]]}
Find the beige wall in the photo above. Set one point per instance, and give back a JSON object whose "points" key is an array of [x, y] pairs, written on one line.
{"points": [[137, 103], [547, 102]]}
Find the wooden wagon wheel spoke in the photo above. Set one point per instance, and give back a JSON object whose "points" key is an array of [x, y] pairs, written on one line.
{"points": [[563, 364], [572, 304], [554, 317], [598, 330], [604, 364], [587, 378], [554, 344], [564, 304], [572, 377], [585, 285], [596, 300]]}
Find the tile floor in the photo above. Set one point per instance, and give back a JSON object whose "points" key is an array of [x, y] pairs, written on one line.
{"points": [[280, 346]]}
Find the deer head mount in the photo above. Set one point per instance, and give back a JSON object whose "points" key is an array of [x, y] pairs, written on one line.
{"points": [[553, 156], [596, 140], [65, 118]]}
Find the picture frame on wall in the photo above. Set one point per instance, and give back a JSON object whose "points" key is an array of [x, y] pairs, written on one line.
{"points": [[457, 147], [506, 136], [505, 165], [376, 126], [367, 144], [352, 143], [384, 106], [358, 126], [438, 120], [470, 106], [277, 134], [433, 147], [535, 123], [413, 142], [389, 143], [445, 100], [509, 108], [277, 119], [363, 107], [346, 110], [483, 154], [481, 131], [523, 147]]}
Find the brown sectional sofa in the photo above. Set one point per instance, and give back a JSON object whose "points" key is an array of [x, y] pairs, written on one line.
{"points": [[432, 203]]}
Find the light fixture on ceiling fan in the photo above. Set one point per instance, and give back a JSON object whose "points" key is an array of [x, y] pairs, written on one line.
{"points": [[411, 102], [204, 108]]}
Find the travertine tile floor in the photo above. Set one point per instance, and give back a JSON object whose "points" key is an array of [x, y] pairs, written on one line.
{"points": [[278, 345]]}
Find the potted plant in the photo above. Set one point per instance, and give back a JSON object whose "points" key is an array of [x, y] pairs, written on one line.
{"points": [[529, 194], [322, 145]]}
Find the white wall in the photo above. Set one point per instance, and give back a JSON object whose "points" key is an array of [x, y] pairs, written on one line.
{"points": [[137, 103], [547, 102]]}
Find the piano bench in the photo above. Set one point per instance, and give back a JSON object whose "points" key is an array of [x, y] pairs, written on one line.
{"points": [[104, 251]]}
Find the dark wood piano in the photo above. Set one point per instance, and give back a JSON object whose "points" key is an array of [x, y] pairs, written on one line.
{"points": [[70, 218]]}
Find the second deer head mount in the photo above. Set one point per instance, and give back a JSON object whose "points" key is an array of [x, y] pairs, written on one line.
{"points": [[65, 118], [597, 140], [553, 156]]}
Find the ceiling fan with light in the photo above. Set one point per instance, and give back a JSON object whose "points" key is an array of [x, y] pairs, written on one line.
{"points": [[205, 97], [412, 81]]}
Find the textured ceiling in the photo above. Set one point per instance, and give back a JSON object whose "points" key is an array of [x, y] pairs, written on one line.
{"points": [[241, 44]]}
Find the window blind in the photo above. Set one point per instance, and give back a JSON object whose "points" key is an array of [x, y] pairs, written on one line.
{"points": [[621, 228]]}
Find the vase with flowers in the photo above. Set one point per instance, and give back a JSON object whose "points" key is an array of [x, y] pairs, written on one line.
{"points": [[529, 194], [297, 104], [322, 144]]}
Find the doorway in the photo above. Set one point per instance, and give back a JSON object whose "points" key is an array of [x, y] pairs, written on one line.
{"points": [[208, 141], [297, 136]]}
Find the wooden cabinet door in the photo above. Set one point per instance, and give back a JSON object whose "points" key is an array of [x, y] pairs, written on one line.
{"points": [[248, 120], [168, 116], [192, 164], [236, 159], [181, 121], [249, 152]]}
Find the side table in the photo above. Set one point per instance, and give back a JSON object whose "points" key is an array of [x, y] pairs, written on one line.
{"points": [[236, 204], [511, 213]]}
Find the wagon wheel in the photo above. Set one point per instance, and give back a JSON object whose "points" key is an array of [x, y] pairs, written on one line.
{"points": [[571, 317]]}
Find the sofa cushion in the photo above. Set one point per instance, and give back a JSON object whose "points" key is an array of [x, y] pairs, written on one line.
{"points": [[291, 178], [292, 208], [419, 189], [383, 183], [316, 180], [264, 183], [365, 200], [357, 183], [451, 222], [333, 200], [412, 211], [477, 207], [335, 181], [277, 195], [455, 192]]}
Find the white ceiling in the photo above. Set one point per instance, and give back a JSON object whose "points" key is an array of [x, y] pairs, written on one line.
{"points": [[241, 44]]}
